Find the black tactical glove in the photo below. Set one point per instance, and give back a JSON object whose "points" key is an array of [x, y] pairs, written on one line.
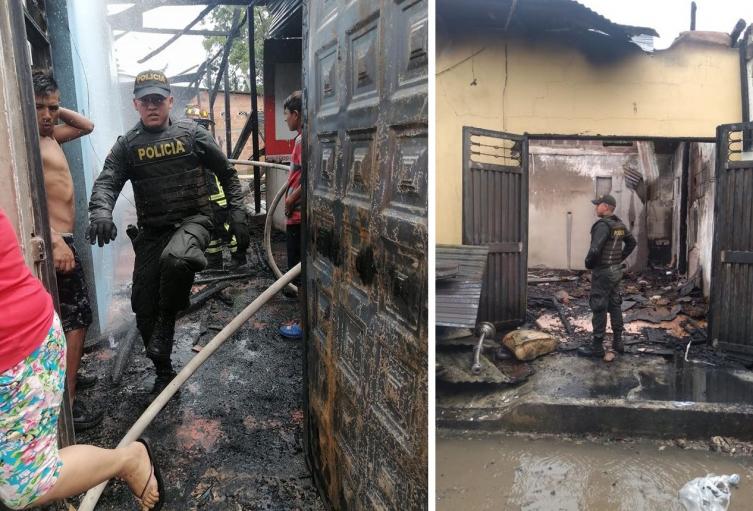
{"points": [[101, 230], [239, 229]]}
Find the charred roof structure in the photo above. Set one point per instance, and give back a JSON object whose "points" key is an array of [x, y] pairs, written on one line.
{"points": [[565, 21]]}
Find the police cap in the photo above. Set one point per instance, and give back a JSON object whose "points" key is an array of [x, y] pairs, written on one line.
{"points": [[605, 199], [151, 82]]}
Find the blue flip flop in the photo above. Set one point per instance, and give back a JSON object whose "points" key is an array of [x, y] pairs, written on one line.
{"points": [[292, 331], [157, 476]]}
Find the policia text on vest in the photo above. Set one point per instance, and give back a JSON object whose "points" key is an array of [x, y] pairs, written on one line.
{"points": [[169, 171], [161, 150]]}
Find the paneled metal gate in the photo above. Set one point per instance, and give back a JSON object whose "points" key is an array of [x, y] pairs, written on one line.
{"points": [[365, 78], [495, 214], [731, 307]]}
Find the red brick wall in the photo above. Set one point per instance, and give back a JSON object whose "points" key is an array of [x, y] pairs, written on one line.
{"points": [[240, 110]]}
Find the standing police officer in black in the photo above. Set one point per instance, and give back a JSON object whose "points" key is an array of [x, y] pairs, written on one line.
{"points": [[611, 244], [167, 163]]}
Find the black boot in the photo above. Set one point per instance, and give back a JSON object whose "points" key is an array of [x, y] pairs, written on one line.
{"points": [[83, 418], [165, 375], [214, 261], [161, 344], [595, 349], [84, 381], [617, 343], [236, 261]]}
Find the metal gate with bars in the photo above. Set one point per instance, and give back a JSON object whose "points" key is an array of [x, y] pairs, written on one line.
{"points": [[365, 79], [495, 214], [731, 307]]}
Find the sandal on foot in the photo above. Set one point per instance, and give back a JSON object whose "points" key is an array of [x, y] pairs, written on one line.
{"points": [[293, 331], [157, 475]]}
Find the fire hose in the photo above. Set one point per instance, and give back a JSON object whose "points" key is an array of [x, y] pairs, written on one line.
{"points": [[270, 213], [92, 496], [268, 234]]}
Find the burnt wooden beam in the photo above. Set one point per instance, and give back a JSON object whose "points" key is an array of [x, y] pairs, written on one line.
{"points": [[228, 117], [739, 27], [254, 118], [248, 128], [226, 55]]}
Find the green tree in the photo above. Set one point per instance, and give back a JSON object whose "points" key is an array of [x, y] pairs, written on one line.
{"points": [[221, 18]]}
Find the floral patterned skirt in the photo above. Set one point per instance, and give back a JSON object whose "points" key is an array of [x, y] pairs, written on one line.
{"points": [[30, 397]]}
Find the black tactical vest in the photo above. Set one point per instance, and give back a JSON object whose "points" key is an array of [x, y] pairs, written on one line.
{"points": [[169, 182], [612, 251]]}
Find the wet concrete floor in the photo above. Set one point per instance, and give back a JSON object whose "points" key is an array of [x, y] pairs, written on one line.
{"points": [[493, 472], [233, 438], [631, 377], [638, 377], [634, 395]]}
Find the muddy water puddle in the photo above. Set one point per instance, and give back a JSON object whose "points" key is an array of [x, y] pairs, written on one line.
{"points": [[501, 472]]}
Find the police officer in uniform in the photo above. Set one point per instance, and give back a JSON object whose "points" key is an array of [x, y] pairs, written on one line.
{"points": [[221, 234], [167, 163], [611, 244]]}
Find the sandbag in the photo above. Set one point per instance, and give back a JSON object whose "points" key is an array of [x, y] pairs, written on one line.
{"points": [[529, 344]]}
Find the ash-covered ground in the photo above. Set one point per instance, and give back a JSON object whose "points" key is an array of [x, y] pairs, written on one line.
{"points": [[233, 438]]}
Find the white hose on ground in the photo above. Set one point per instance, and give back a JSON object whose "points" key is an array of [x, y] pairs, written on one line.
{"points": [[268, 235], [92, 496]]}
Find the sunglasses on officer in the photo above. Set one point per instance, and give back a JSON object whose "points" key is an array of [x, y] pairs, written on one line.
{"points": [[152, 99]]}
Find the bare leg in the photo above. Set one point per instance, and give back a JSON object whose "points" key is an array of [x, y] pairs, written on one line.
{"points": [[85, 466], [75, 349]]}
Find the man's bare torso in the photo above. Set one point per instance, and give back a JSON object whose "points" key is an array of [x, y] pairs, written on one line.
{"points": [[59, 186]]}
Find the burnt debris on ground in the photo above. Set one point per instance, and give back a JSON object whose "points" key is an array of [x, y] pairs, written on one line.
{"points": [[233, 437], [664, 314]]}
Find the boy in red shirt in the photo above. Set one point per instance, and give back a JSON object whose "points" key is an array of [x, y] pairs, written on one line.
{"points": [[292, 113]]}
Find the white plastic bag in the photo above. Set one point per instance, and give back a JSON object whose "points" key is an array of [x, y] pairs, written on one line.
{"points": [[710, 493]]}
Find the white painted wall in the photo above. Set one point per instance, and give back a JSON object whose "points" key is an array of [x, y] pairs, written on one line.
{"points": [[700, 254], [98, 97], [287, 80], [563, 180]]}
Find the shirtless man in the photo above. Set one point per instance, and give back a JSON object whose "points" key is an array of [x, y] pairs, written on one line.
{"points": [[75, 310]]}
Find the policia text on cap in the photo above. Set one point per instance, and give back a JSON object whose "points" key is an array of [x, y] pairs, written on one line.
{"points": [[167, 163]]}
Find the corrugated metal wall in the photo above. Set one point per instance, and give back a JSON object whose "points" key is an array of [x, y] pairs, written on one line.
{"points": [[457, 298], [731, 319], [495, 214], [282, 14]]}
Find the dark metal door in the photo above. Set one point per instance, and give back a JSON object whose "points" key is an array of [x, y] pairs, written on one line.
{"points": [[495, 214], [365, 79], [731, 307]]}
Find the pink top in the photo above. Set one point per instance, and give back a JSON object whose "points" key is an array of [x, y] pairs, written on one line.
{"points": [[26, 310], [294, 179]]}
